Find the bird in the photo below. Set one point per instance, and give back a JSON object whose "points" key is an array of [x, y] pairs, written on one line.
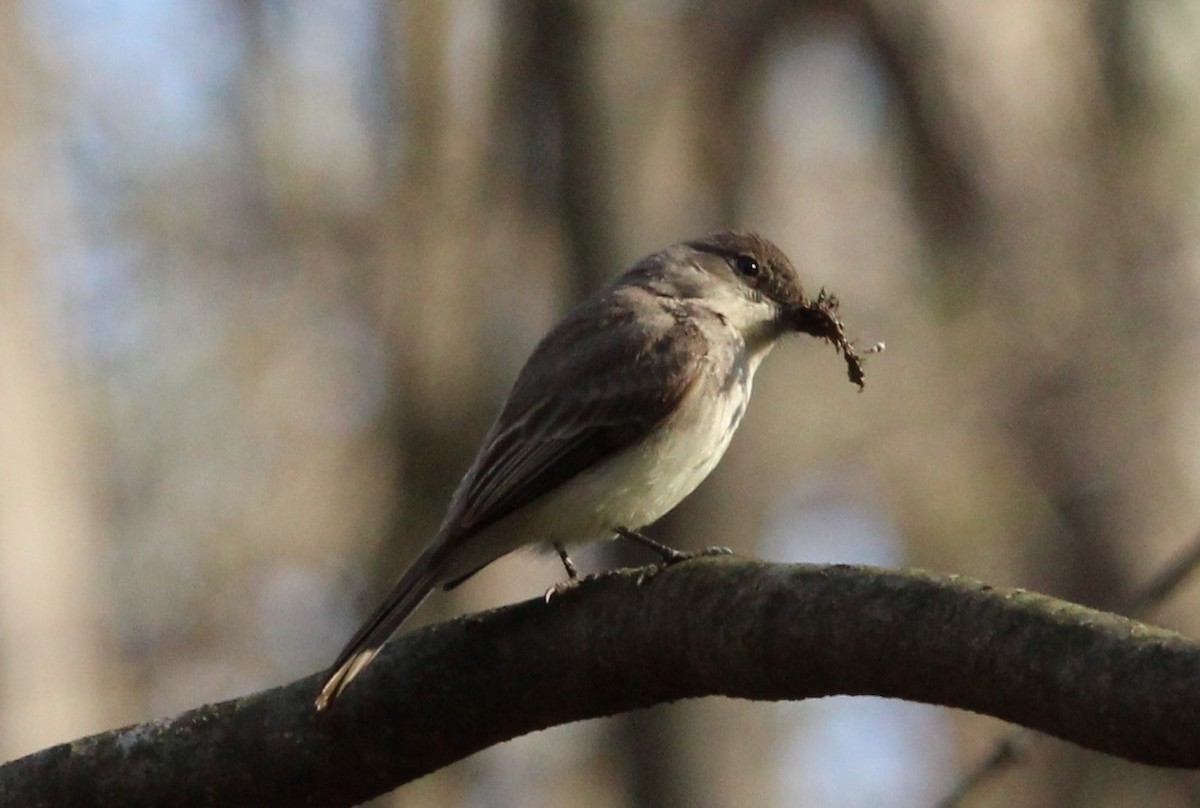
{"points": [[620, 412]]}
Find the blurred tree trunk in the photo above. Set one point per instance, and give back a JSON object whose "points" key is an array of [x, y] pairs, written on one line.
{"points": [[55, 676], [437, 256], [1043, 247]]}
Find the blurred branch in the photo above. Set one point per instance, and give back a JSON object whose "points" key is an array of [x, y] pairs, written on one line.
{"points": [[552, 113], [946, 191], [733, 39], [561, 38], [1011, 747], [631, 639], [1156, 591]]}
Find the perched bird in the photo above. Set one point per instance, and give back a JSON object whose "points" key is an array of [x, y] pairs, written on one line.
{"points": [[620, 412]]}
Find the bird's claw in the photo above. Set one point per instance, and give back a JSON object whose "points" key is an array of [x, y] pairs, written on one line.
{"points": [[676, 556], [646, 573], [671, 556], [561, 588]]}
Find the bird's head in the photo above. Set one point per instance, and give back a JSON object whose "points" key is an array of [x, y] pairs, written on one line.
{"points": [[752, 286]]}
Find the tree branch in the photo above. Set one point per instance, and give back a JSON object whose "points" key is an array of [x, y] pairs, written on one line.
{"points": [[1013, 745], [712, 626]]}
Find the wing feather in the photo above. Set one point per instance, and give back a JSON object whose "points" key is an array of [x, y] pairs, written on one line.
{"points": [[584, 395]]}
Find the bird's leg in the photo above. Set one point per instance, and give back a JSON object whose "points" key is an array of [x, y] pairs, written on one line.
{"points": [[572, 573], [669, 554], [568, 564]]}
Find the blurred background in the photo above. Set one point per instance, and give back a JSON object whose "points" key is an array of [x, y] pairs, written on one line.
{"points": [[267, 270]]}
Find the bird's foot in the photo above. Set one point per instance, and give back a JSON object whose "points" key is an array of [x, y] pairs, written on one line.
{"points": [[573, 579], [573, 574], [561, 588], [568, 564], [669, 555]]}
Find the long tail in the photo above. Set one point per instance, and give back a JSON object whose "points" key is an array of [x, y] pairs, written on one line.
{"points": [[408, 593]]}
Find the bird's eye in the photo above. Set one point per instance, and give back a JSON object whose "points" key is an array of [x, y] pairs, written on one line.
{"points": [[747, 265]]}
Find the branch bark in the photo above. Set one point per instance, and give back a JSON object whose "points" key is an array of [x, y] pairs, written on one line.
{"points": [[713, 626]]}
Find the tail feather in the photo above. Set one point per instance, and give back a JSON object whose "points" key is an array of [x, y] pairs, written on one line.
{"points": [[408, 593]]}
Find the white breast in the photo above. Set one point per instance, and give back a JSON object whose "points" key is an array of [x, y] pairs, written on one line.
{"points": [[635, 487], [640, 485]]}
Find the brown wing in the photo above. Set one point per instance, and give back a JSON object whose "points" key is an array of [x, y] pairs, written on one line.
{"points": [[597, 383]]}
